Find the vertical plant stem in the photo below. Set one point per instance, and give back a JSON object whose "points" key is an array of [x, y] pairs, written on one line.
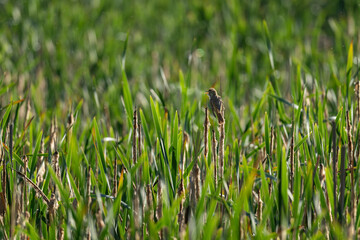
{"points": [[149, 206], [134, 149], [206, 133], [334, 166], [115, 178], [272, 141], [181, 195], [214, 157], [351, 166], [24, 192], [136, 201], [292, 170], [342, 184], [260, 205], [159, 207], [14, 194], [69, 127], [357, 93], [3, 183], [88, 187], [139, 137], [221, 151]]}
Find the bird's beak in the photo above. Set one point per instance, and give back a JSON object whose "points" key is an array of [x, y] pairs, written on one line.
{"points": [[207, 92]]}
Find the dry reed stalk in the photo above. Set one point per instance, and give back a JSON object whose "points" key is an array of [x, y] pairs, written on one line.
{"points": [[230, 167], [181, 195], [136, 207], [61, 232], [149, 200], [184, 149], [27, 111], [24, 192], [53, 135], [292, 169], [69, 127], [14, 196], [136, 200], [139, 150], [342, 184], [206, 133], [99, 219], [272, 146], [271, 141], [56, 167], [159, 207], [351, 166], [214, 158], [115, 179], [221, 150], [70, 123], [52, 206], [242, 226], [40, 165], [149, 207], [260, 206], [3, 183], [88, 187], [181, 189], [134, 149], [139, 138], [195, 177], [334, 165], [357, 94]]}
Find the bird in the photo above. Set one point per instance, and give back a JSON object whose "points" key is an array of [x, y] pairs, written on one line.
{"points": [[216, 105]]}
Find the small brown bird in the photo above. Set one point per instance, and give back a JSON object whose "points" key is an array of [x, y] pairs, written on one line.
{"points": [[216, 104]]}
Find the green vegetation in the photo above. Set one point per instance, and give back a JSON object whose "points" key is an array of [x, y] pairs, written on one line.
{"points": [[103, 119]]}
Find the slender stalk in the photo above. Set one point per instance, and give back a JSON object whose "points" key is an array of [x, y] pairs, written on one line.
{"points": [[357, 93], [134, 149], [292, 170], [159, 207], [88, 187], [24, 192], [14, 193], [53, 135], [342, 184], [214, 158], [149, 206], [181, 194], [206, 133], [136, 201], [40, 165], [3, 183], [115, 178], [221, 150], [260, 206], [196, 179], [351, 166], [139, 138], [334, 164]]}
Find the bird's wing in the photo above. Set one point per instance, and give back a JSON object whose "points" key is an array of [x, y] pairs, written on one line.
{"points": [[218, 103], [212, 108]]}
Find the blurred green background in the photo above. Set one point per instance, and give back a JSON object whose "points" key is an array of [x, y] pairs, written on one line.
{"points": [[72, 50]]}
